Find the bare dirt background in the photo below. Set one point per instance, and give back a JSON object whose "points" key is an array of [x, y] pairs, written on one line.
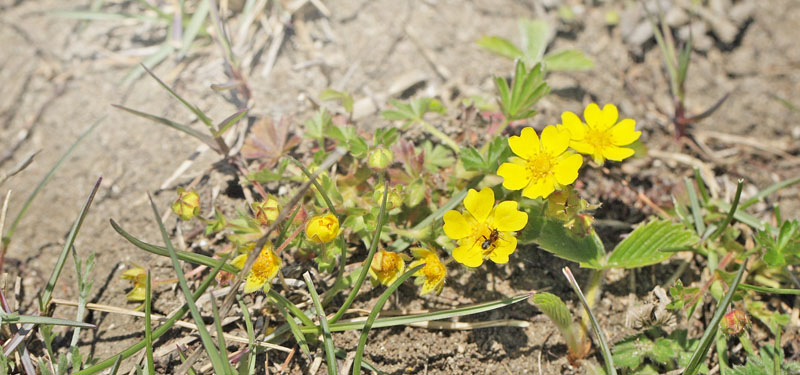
{"points": [[59, 77]]}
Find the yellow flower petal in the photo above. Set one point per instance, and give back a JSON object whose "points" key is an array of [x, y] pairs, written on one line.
{"points": [[514, 176], [617, 153], [624, 133], [469, 254], [505, 247], [455, 225], [554, 142], [566, 171], [571, 121], [526, 144], [508, 218], [239, 261], [609, 116], [592, 114], [479, 204], [582, 147], [541, 188], [253, 283]]}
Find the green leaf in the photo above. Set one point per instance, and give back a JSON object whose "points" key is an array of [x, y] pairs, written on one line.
{"points": [[330, 351], [641, 247], [527, 88], [630, 352], [343, 97], [472, 159], [567, 60], [501, 47], [498, 152], [555, 309], [179, 127], [14, 318], [535, 35], [200, 115], [317, 125], [555, 238]]}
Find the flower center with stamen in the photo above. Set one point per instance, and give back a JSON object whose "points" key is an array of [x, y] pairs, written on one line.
{"points": [[599, 139], [434, 269], [264, 265], [540, 166]]}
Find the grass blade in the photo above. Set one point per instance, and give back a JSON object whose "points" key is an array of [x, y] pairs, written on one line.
{"points": [[392, 321], [14, 318], [295, 329], [763, 289], [205, 337], [115, 367], [172, 124], [200, 115], [731, 212], [365, 268], [230, 121], [148, 328], [6, 240], [150, 62], [696, 209], [251, 338], [133, 349], [185, 256], [598, 332], [194, 27], [73, 233], [769, 190], [223, 347], [710, 333], [330, 351], [362, 341]]}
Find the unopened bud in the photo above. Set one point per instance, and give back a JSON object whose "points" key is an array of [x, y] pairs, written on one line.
{"points": [[187, 205], [734, 323], [380, 158]]}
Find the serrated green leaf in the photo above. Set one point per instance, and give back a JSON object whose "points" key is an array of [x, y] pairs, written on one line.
{"points": [[555, 309], [630, 352], [500, 46], [642, 247], [472, 159], [561, 242], [568, 60], [535, 35], [663, 351], [345, 98]]}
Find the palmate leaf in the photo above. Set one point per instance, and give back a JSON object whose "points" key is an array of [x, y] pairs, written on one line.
{"points": [[568, 60], [642, 247], [500, 46]]}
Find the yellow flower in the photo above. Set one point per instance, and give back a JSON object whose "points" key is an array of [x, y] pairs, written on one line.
{"points": [[540, 167], [266, 211], [187, 205], [322, 228], [386, 267], [138, 276], [601, 136], [484, 231], [432, 275], [264, 269]]}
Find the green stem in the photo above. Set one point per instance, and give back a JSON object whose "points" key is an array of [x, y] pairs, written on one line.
{"points": [[503, 125], [442, 136], [592, 291]]}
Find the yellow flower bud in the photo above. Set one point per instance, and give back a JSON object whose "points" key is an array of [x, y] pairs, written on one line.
{"points": [[266, 211], [380, 158], [322, 228], [138, 276], [187, 205], [393, 199], [386, 267]]}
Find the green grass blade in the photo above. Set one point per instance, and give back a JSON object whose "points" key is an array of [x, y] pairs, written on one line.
{"points": [[731, 212], [223, 347], [205, 337], [172, 124], [230, 121], [701, 186], [330, 351], [357, 324], [148, 327], [194, 27], [710, 333], [200, 115], [14, 318], [283, 301], [251, 339], [160, 331], [319, 188], [362, 341], [697, 213], [10, 233], [185, 256], [115, 367], [763, 289], [150, 62], [73, 233], [602, 341], [365, 268], [769, 190], [295, 329]]}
